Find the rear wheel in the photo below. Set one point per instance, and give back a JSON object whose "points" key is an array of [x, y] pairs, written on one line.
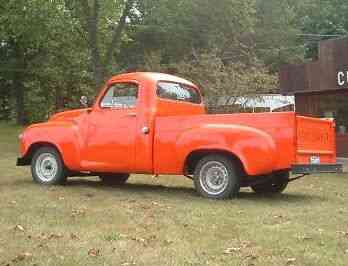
{"points": [[277, 184], [216, 177], [47, 167], [114, 179]]}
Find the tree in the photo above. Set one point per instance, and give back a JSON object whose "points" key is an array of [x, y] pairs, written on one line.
{"points": [[319, 20], [276, 31], [22, 28], [41, 57], [96, 28]]}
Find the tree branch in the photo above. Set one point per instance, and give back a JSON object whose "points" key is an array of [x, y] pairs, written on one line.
{"points": [[118, 31]]}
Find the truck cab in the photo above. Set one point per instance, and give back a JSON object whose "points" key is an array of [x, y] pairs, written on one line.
{"points": [[152, 123]]}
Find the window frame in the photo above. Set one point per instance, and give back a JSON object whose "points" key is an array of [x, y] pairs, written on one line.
{"points": [[179, 101], [119, 108]]}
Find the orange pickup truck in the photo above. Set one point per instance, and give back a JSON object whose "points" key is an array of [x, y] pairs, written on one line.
{"points": [[153, 123]]}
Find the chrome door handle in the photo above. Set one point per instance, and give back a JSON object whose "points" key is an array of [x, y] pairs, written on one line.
{"points": [[145, 130]]}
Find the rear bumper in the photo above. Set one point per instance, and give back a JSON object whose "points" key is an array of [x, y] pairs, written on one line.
{"points": [[316, 168]]}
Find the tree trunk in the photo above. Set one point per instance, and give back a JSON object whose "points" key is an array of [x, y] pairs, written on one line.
{"points": [[18, 85]]}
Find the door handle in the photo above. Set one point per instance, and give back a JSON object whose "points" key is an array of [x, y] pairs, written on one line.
{"points": [[131, 115], [145, 130]]}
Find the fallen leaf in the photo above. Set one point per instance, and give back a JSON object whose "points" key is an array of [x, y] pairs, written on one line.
{"points": [[246, 244], [22, 257], [94, 252], [251, 257], [55, 236], [343, 233], [42, 245], [232, 250], [19, 228], [77, 212], [290, 261], [74, 237], [304, 237], [168, 241], [42, 236], [128, 263]]}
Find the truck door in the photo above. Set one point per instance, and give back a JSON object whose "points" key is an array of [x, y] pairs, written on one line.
{"points": [[111, 138]]}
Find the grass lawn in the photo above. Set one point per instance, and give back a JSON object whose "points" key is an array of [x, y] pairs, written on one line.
{"points": [[161, 221]]}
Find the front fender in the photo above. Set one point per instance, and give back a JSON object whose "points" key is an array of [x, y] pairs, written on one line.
{"points": [[61, 134], [256, 149]]}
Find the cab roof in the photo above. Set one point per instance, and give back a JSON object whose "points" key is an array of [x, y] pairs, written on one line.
{"points": [[151, 76]]}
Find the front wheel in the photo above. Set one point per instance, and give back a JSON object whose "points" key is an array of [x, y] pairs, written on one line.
{"points": [[114, 179], [47, 167], [216, 177], [277, 184]]}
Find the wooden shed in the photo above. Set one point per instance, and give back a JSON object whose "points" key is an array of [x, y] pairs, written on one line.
{"points": [[321, 87]]}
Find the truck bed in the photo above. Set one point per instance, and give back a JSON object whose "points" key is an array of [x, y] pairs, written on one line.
{"points": [[298, 139]]}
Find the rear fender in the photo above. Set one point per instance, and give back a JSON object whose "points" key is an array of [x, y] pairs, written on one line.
{"points": [[255, 149]]}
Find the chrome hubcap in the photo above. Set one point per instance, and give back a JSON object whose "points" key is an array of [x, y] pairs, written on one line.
{"points": [[213, 177], [46, 167]]}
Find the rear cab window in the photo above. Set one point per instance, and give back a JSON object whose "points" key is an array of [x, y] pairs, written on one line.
{"points": [[178, 92]]}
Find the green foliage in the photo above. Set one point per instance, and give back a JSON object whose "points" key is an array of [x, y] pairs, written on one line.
{"points": [[52, 52], [321, 17], [220, 82]]}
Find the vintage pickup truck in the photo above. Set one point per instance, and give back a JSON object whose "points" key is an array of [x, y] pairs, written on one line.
{"points": [[156, 124]]}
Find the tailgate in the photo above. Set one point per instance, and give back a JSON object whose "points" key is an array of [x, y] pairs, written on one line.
{"points": [[315, 141], [315, 146]]}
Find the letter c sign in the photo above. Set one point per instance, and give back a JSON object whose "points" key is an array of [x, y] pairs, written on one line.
{"points": [[342, 78]]}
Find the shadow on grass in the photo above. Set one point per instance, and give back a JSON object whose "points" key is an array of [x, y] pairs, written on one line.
{"points": [[187, 192]]}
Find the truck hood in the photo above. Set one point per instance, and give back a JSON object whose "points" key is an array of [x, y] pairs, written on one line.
{"points": [[68, 115]]}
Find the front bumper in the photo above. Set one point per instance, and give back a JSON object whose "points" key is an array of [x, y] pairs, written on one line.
{"points": [[316, 168]]}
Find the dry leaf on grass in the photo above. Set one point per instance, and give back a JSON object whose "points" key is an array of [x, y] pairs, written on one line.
{"points": [[78, 212], [18, 227], [290, 261], [304, 237], [22, 256], [127, 263], [232, 250], [55, 236], [94, 252], [74, 237], [342, 233]]}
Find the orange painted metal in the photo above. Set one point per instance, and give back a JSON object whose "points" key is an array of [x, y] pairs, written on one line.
{"points": [[112, 140], [315, 137]]}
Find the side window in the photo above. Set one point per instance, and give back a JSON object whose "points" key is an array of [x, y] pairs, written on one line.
{"points": [[121, 95], [178, 92]]}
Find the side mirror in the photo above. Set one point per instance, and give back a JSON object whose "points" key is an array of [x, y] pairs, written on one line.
{"points": [[84, 101]]}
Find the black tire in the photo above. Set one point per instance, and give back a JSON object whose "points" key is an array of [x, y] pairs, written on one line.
{"points": [[277, 184], [114, 179], [226, 172], [48, 158]]}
